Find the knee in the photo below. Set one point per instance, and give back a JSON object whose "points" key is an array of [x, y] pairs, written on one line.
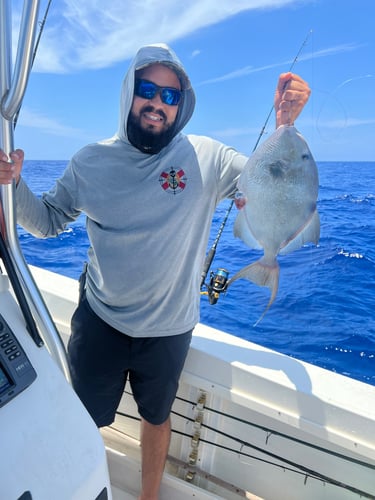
{"points": [[164, 426]]}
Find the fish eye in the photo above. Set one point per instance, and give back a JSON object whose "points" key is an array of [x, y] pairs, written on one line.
{"points": [[305, 156]]}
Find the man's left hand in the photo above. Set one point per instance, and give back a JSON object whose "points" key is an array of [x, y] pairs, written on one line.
{"points": [[292, 93]]}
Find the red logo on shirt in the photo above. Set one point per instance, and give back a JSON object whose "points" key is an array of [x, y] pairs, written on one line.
{"points": [[173, 181]]}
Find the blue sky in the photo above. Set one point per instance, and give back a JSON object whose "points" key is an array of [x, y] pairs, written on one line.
{"points": [[233, 50]]}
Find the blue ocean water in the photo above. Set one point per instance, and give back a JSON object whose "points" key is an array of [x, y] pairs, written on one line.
{"points": [[324, 309]]}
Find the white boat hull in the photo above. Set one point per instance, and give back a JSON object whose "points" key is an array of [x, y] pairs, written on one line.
{"points": [[247, 422]]}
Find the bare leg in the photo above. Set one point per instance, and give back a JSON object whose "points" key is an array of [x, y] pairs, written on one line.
{"points": [[155, 444]]}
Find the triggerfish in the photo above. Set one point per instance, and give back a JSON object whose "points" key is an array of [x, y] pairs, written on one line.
{"points": [[279, 184]]}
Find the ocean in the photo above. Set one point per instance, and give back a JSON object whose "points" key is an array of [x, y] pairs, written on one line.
{"points": [[324, 309]]}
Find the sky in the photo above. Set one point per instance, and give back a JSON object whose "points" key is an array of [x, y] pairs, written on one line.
{"points": [[233, 51]]}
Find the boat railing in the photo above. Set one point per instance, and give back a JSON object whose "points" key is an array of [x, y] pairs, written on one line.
{"points": [[12, 89]]}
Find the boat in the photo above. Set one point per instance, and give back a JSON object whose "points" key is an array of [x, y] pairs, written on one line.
{"points": [[248, 422]]}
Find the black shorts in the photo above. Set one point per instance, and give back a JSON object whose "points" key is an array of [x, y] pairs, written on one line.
{"points": [[101, 358]]}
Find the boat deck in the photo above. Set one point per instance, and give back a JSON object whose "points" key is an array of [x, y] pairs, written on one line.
{"points": [[118, 494], [123, 454]]}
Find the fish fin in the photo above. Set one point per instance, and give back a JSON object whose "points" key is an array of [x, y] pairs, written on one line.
{"points": [[309, 233], [241, 230], [263, 275]]}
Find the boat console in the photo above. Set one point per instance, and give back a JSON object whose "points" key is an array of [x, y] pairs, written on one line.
{"points": [[16, 371], [50, 447]]}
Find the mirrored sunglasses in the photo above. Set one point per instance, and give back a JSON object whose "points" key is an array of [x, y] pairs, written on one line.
{"points": [[148, 90]]}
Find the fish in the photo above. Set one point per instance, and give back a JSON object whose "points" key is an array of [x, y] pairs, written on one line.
{"points": [[278, 189]]}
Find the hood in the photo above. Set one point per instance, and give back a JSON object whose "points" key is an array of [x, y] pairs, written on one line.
{"points": [[151, 54]]}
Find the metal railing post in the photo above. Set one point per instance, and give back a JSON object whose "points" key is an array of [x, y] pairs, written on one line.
{"points": [[12, 89]]}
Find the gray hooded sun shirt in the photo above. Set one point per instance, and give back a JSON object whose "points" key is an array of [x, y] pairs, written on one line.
{"points": [[148, 216]]}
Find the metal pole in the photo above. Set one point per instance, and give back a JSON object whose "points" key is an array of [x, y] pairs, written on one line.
{"points": [[12, 90]]}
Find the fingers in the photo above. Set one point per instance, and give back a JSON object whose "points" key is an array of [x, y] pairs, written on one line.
{"points": [[292, 93], [240, 200], [10, 167]]}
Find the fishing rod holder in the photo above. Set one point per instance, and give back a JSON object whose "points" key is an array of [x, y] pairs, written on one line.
{"points": [[217, 285]]}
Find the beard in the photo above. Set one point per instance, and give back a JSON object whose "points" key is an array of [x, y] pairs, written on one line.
{"points": [[147, 140]]}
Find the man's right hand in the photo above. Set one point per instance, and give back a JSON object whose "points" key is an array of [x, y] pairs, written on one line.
{"points": [[10, 170]]}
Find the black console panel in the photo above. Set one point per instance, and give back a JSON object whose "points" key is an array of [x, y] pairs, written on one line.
{"points": [[16, 371]]}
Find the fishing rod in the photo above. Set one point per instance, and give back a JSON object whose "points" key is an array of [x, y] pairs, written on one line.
{"points": [[218, 280], [41, 24]]}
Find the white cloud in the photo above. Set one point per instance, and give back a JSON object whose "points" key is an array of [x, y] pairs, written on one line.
{"points": [[36, 120], [195, 53], [247, 70], [88, 34], [346, 122]]}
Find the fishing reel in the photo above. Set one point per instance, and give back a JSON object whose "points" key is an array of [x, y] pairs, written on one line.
{"points": [[217, 285]]}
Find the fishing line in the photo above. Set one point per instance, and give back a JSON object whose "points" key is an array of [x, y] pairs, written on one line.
{"points": [[211, 253], [339, 109], [41, 24]]}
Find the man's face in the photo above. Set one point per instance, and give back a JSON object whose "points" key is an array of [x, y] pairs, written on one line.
{"points": [[153, 115]]}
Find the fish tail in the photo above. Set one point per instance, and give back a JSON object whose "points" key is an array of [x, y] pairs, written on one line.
{"points": [[263, 275]]}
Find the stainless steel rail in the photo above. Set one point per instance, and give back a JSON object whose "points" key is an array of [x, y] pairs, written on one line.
{"points": [[12, 89]]}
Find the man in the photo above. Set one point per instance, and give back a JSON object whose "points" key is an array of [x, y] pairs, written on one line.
{"points": [[149, 194]]}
